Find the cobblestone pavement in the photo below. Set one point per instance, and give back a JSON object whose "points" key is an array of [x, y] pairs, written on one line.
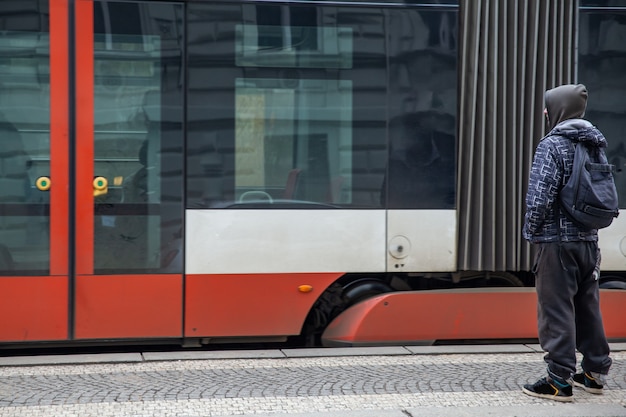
{"points": [[372, 384]]}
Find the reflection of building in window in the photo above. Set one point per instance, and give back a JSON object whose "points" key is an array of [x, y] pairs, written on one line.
{"points": [[421, 171], [617, 157], [288, 37], [289, 22], [14, 188], [135, 186], [602, 48], [14, 164]]}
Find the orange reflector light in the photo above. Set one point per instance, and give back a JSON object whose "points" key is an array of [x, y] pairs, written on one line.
{"points": [[305, 288]]}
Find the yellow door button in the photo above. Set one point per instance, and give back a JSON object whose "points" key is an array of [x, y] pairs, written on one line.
{"points": [[43, 183], [100, 183]]}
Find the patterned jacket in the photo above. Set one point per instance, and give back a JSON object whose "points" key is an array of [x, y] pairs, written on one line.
{"points": [[552, 167]]}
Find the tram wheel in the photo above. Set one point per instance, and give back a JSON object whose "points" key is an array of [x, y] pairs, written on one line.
{"points": [[328, 306], [333, 302], [364, 288]]}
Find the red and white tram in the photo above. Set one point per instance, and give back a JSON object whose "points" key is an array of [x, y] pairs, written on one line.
{"points": [[212, 171]]}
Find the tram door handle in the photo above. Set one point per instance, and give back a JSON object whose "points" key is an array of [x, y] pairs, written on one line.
{"points": [[43, 183], [100, 186]]}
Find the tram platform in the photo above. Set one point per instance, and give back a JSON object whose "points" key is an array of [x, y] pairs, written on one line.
{"points": [[391, 381]]}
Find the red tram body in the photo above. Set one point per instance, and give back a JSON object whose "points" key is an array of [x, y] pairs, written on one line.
{"points": [[234, 171]]}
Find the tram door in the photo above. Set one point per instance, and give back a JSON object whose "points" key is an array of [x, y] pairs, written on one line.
{"points": [[33, 249], [128, 169], [91, 171]]}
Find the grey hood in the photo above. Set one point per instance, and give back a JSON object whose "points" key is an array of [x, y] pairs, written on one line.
{"points": [[566, 105], [565, 102]]}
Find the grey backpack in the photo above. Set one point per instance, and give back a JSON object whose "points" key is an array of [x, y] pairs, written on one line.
{"points": [[589, 198]]}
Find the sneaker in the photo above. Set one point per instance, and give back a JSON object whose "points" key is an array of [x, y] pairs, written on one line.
{"points": [[585, 381], [550, 390]]}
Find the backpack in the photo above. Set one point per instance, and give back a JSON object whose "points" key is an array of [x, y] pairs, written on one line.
{"points": [[589, 198]]}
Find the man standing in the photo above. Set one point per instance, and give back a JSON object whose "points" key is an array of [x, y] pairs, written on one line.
{"points": [[567, 261]]}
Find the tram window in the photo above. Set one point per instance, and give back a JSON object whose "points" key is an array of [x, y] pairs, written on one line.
{"points": [[602, 59], [24, 144], [287, 109], [138, 136]]}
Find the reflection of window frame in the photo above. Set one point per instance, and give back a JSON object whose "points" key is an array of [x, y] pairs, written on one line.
{"points": [[333, 47]]}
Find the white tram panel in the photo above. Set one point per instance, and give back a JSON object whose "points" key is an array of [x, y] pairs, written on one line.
{"points": [[284, 241], [612, 241], [422, 240]]}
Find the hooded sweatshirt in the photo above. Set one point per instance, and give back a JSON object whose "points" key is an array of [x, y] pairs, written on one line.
{"points": [[552, 166]]}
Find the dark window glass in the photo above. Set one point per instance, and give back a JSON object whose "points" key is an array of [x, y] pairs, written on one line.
{"points": [[602, 60], [422, 131], [138, 137], [24, 137], [295, 105]]}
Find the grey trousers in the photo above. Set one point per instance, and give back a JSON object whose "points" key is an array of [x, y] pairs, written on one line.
{"points": [[568, 308]]}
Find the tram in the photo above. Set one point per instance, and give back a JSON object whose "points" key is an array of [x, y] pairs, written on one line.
{"points": [[333, 173]]}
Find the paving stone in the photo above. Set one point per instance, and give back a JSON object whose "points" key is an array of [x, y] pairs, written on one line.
{"points": [[367, 384]]}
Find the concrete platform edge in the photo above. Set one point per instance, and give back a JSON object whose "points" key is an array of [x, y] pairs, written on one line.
{"points": [[275, 354]]}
